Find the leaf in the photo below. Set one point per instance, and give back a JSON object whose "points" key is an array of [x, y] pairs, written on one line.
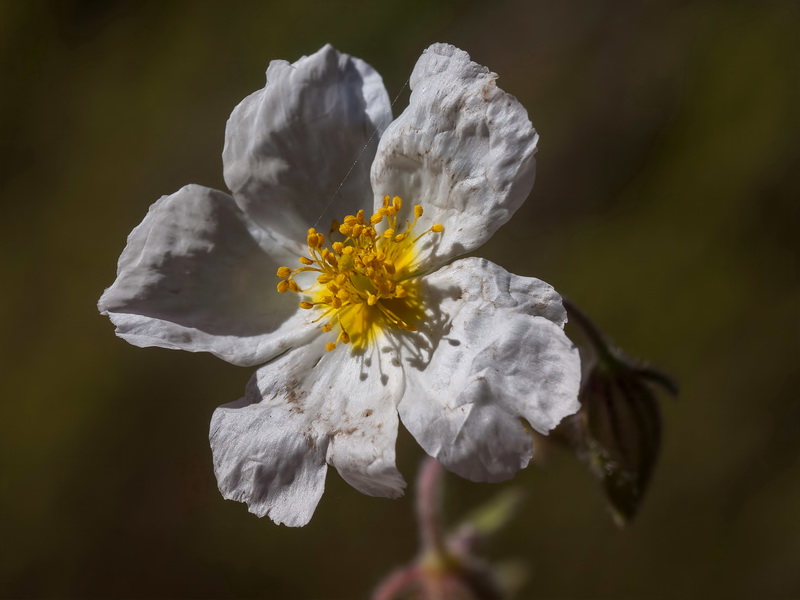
{"points": [[492, 516]]}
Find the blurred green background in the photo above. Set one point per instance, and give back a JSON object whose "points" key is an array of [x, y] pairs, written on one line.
{"points": [[666, 205]]}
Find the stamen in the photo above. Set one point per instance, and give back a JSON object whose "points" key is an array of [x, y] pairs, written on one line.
{"points": [[365, 281]]}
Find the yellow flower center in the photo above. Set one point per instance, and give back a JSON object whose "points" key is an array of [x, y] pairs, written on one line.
{"points": [[366, 283]]}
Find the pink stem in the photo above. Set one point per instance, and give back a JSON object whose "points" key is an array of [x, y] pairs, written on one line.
{"points": [[429, 506], [397, 583]]}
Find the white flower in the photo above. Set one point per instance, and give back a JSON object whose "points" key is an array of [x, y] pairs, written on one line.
{"points": [[372, 324]]}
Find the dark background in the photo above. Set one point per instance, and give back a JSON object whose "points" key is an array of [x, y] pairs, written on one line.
{"points": [[666, 205]]}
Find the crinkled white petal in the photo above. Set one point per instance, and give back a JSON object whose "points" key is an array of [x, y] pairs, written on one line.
{"points": [[304, 409], [290, 145], [195, 276], [499, 360], [463, 149], [264, 458]]}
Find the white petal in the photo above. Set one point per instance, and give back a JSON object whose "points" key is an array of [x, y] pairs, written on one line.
{"points": [[502, 357], [463, 148], [317, 406], [264, 458], [195, 276], [290, 145]]}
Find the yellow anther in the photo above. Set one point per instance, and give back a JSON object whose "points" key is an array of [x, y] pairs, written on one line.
{"points": [[438, 228], [330, 346], [313, 238], [358, 290]]}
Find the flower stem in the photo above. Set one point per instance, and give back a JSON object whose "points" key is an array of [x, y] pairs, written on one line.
{"points": [[429, 507], [397, 584], [591, 331]]}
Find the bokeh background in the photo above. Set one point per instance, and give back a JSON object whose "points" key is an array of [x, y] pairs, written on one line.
{"points": [[666, 205]]}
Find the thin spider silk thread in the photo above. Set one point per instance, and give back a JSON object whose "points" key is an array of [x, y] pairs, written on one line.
{"points": [[358, 158]]}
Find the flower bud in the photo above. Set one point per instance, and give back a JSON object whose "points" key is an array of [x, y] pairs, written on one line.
{"points": [[617, 431]]}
